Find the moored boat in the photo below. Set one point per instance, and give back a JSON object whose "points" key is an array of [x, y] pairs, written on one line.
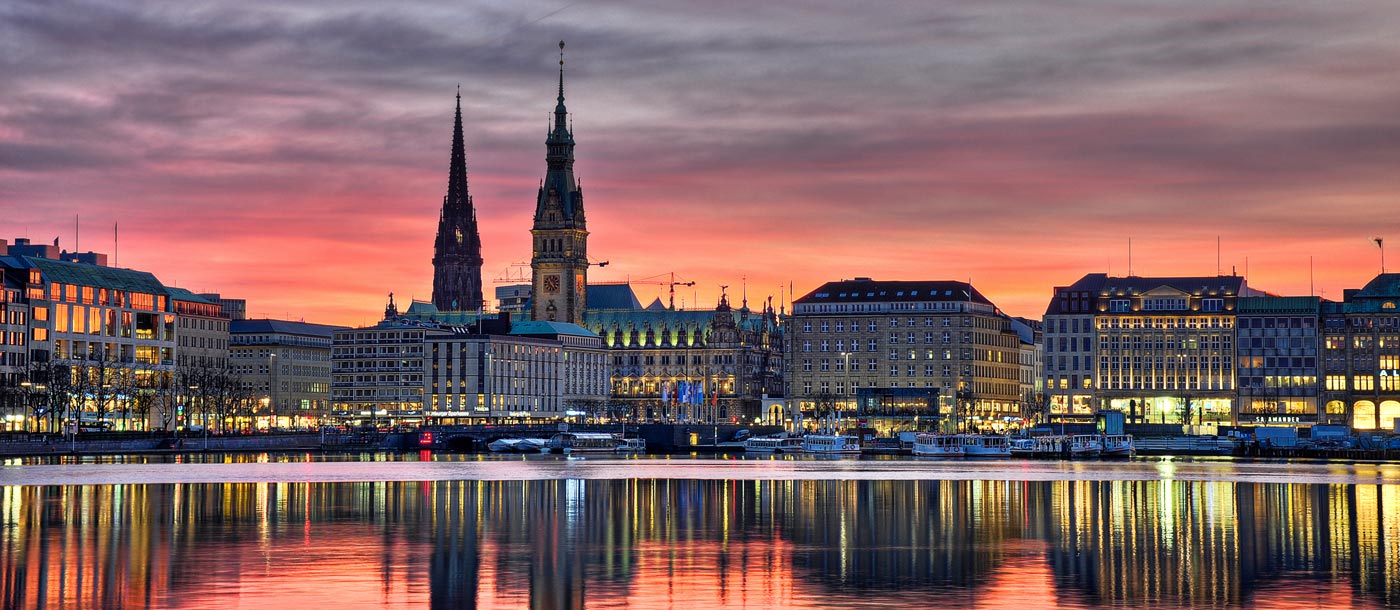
{"points": [[985, 445], [773, 444], [1085, 445], [632, 445], [938, 445], [1118, 445], [517, 445], [830, 444], [583, 442]]}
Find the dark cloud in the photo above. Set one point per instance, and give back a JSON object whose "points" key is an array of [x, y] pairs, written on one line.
{"points": [[780, 123]]}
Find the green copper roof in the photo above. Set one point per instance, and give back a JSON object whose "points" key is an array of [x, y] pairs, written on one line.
{"points": [[539, 327], [100, 277], [185, 295]]}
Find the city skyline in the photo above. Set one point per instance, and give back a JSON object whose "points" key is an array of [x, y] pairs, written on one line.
{"points": [[297, 156]]}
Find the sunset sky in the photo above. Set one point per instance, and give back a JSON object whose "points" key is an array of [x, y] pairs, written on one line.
{"points": [[295, 154]]}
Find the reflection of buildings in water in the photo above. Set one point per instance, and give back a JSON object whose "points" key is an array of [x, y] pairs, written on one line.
{"points": [[557, 544], [1199, 543]]}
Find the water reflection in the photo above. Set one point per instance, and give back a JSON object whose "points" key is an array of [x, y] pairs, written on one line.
{"points": [[685, 543]]}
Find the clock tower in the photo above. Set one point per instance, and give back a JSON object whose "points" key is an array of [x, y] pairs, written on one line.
{"points": [[559, 264]]}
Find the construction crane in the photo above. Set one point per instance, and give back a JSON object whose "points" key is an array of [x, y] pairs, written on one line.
{"points": [[517, 273], [665, 279]]}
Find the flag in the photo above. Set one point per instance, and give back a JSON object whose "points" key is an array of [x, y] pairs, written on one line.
{"points": [[665, 391], [1378, 242], [55, 242]]}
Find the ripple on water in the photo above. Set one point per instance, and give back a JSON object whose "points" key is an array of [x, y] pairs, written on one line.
{"points": [[491, 468]]}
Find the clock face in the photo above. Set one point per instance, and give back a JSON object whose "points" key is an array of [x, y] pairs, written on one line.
{"points": [[551, 283]]}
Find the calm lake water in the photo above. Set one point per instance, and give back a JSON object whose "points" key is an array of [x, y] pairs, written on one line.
{"points": [[424, 531]]}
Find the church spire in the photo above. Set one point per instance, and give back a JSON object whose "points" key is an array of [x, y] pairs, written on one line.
{"points": [[457, 170], [457, 251]]}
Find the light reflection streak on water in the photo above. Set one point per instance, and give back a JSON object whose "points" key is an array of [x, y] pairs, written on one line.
{"points": [[691, 469], [849, 544]]}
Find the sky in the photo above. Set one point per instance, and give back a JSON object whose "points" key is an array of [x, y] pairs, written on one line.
{"points": [[295, 154]]}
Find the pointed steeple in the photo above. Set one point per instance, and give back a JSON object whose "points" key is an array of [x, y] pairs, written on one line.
{"points": [[457, 170], [457, 251], [560, 233], [559, 111], [559, 159]]}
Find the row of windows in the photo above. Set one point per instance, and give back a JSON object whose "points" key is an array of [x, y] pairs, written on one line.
{"points": [[873, 326]]}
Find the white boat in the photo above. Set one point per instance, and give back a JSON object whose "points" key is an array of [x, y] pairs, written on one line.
{"points": [[772, 444], [830, 444], [985, 445], [1085, 445], [1052, 447], [1118, 445], [583, 442], [632, 445], [516, 445], [938, 445], [1023, 447]]}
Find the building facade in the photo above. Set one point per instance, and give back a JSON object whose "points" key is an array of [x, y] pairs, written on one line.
{"points": [[864, 346], [1278, 345], [457, 249], [559, 263], [201, 330], [1159, 349], [1361, 356], [284, 368], [100, 344], [699, 365], [378, 372], [540, 372]]}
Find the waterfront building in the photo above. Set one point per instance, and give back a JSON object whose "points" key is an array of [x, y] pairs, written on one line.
{"points": [[938, 351], [559, 263], [688, 365], [1159, 349], [1277, 343], [235, 309], [457, 249], [100, 341], [284, 368], [17, 381], [201, 330], [539, 372], [377, 372], [1361, 356], [1031, 369], [584, 370]]}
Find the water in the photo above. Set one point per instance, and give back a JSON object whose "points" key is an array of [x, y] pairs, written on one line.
{"points": [[306, 531]]}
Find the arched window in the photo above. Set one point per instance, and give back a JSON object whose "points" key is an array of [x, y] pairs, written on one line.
{"points": [[1389, 411], [1363, 415]]}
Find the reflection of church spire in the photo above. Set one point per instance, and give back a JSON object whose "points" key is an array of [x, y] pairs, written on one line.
{"points": [[457, 251]]}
